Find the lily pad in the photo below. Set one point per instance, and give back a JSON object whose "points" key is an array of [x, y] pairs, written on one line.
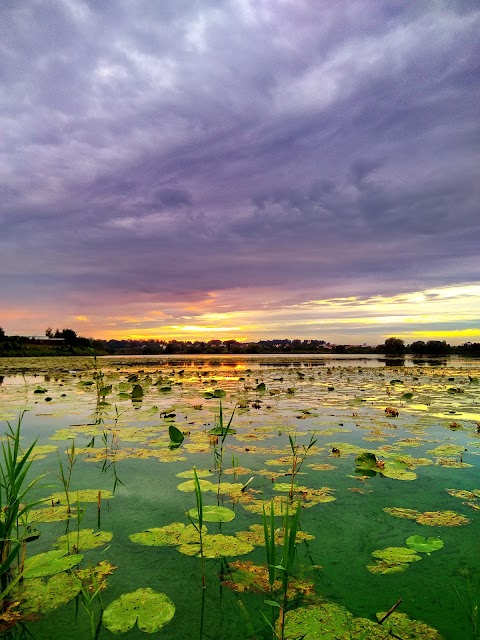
{"points": [[50, 563], [402, 626], [41, 451], [149, 609], [201, 473], [425, 545], [327, 621], [218, 546], [189, 485], [447, 450], [83, 540], [39, 596], [170, 535], [397, 554], [212, 513], [84, 495], [175, 434], [51, 514], [442, 519], [430, 518]]}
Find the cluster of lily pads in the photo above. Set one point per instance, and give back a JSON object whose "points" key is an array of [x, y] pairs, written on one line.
{"points": [[167, 414], [395, 559]]}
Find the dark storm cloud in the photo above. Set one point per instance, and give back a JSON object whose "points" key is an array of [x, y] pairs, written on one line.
{"points": [[167, 148]]}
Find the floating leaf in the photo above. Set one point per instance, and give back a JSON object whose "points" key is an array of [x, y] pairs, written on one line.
{"points": [[430, 518], [98, 580], [149, 609], [442, 519], [447, 450], [261, 387], [41, 451], [170, 535], [49, 563], [217, 546], [212, 513], [83, 540], [83, 495], [464, 495], [425, 545], [247, 576], [38, 596], [219, 393], [218, 431], [137, 392], [256, 535], [51, 514], [175, 434], [402, 626], [189, 485], [396, 554], [201, 473], [399, 512], [327, 621]]}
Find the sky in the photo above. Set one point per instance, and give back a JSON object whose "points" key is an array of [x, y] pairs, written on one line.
{"points": [[241, 169]]}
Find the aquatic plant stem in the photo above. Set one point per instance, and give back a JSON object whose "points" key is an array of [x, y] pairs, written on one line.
{"points": [[13, 499]]}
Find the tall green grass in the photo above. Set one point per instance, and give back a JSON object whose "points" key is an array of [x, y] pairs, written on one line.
{"points": [[14, 489]]}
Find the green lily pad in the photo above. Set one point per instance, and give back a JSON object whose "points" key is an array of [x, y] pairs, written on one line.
{"points": [[403, 627], [170, 535], [83, 495], [137, 392], [41, 451], [430, 518], [189, 485], [256, 535], [368, 463], [49, 563], [217, 546], [149, 609], [463, 494], [426, 545], [212, 513], [83, 540], [37, 596], [447, 450], [201, 473], [327, 622], [51, 514], [218, 431], [442, 519], [175, 434], [396, 554]]}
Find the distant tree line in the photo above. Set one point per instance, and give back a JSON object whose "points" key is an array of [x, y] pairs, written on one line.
{"points": [[61, 342], [68, 342]]}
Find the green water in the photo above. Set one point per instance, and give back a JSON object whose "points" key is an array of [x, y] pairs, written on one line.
{"points": [[341, 401]]}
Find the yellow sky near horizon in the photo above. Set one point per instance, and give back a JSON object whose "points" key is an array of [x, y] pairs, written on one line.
{"points": [[447, 313], [451, 313]]}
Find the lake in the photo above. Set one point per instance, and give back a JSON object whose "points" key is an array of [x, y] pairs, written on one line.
{"points": [[381, 454]]}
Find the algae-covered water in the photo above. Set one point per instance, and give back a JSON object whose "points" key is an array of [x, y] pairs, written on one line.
{"points": [[371, 480]]}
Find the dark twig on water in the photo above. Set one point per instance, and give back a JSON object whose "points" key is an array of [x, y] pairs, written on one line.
{"points": [[390, 611]]}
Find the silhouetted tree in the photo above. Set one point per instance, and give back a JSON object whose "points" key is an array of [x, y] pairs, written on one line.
{"points": [[393, 346]]}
